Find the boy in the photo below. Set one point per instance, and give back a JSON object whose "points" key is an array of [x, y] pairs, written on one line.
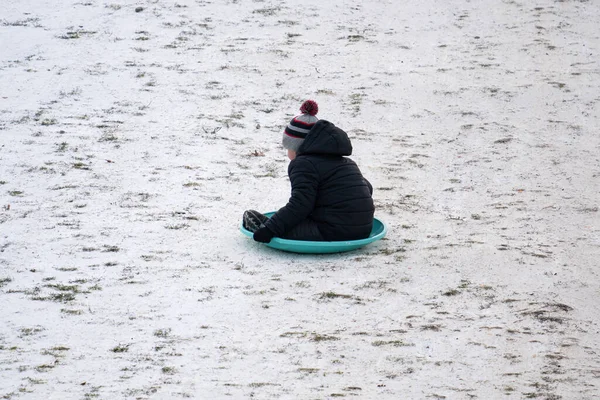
{"points": [[330, 200]]}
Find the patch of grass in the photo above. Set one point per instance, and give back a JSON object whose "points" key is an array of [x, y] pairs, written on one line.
{"points": [[44, 367], [288, 22], [355, 38], [431, 327], [322, 338], [62, 297], [64, 288], [30, 331], [333, 295], [293, 334], [558, 85], [168, 370], [48, 122], [560, 306], [71, 312], [74, 92], [4, 281], [381, 102], [80, 165], [328, 92], [309, 370], [34, 381], [122, 348], [177, 226], [163, 333], [15, 193], [542, 317], [379, 284], [356, 100], [268, 11], [56, 352], [191, 184], [111, 249], [394, 343], [108, 137], [235, 115], [451, 292], [61, 187], [77, 34], [23, 22], [464, 284], [262, 384]]}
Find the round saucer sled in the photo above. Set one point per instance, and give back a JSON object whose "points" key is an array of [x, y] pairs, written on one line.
{"points": [[312, 247]]}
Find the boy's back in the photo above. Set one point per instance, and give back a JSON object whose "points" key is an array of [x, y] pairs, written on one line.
{"points": [[327, 188]]}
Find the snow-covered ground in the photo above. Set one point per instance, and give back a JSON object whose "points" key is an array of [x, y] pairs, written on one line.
{"points": [[133, 134]]}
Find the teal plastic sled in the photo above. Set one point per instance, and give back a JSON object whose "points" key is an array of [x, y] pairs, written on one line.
{"points": [[310, 247]]}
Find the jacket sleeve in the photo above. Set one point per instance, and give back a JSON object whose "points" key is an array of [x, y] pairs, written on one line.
{"points": [[369, 185], [304, 179]]}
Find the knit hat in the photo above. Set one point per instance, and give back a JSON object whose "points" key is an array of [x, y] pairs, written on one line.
{"points": [[296, 131]]}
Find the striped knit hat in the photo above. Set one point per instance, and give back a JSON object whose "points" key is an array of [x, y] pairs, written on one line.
{"points": [[296, 131]]}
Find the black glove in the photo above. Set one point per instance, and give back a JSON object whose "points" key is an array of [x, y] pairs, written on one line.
{"points": [[263, 235]]}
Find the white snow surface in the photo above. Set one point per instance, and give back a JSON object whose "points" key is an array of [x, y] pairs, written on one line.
{"points": [[132, 141]]}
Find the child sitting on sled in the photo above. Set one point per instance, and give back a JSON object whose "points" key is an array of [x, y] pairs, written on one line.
{"points": [[330, 200]]}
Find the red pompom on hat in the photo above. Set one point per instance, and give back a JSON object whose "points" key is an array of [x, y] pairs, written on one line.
{"points": [[296, 131], [309, 107]]}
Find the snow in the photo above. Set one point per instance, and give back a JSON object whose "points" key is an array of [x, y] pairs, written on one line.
{"points": [[131, 142]]}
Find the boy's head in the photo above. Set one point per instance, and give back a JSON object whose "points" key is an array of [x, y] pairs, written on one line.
{"points": [[296, 131]]}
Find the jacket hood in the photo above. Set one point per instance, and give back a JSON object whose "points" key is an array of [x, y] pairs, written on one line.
{"points": [[327, 139]]}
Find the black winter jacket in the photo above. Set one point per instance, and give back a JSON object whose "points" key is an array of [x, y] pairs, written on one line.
{"points": [[327, 188]]}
